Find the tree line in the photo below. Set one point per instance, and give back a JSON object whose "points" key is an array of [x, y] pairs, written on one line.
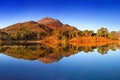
{"points": [[102, 32], [60, 34]]}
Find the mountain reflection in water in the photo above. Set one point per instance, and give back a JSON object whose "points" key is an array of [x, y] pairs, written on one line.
{"points": [[47, 54]]}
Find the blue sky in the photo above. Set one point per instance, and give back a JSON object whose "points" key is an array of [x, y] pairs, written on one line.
{"points": [[83, 14]]}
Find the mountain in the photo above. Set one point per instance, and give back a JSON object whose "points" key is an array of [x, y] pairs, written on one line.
{"points": [[32, 30]]}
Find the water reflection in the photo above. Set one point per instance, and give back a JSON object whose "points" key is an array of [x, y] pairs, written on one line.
{"points": [[47, 54]]}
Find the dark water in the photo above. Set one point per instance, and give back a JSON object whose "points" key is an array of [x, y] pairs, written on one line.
{"points": [[65, 62]]}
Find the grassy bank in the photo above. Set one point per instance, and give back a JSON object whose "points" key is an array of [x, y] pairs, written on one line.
{"points": [[91, 41]]}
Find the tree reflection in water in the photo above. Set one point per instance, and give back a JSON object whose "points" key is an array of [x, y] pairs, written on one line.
{"points": [[46, 54]]}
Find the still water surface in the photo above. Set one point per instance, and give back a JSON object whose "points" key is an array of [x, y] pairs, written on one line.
{"points": [[83, 65]]}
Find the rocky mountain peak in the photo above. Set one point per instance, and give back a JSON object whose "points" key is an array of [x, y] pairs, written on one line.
{"points": [[50, 22]]}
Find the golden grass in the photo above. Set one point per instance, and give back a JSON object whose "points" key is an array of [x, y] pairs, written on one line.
{"points": [[91, 41], [51, 41]]}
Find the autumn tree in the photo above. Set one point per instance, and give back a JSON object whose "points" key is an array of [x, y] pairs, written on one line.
{"points": [[85, 33], [113, 35], [88, 33], [102, 32]]}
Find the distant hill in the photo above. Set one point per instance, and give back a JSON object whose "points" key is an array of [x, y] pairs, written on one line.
{"points": [[36, 30]]}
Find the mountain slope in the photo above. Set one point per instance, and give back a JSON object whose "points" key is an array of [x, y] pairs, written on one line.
{"points": [[28, 26], [28, 30]]}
